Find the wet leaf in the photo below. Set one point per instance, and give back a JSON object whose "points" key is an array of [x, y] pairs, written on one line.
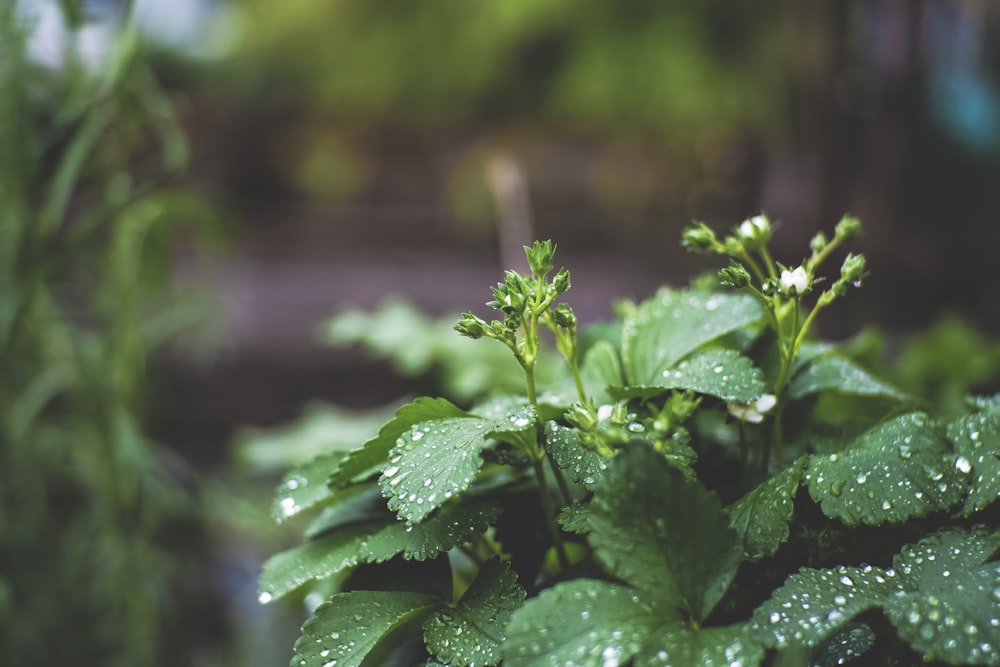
{"points": [[681, 645], [304, 487], [575, 518], [950, 609], [585, 623], [761, 517], [667, 327], [684, 559], [719, 372], [435, 460], [812, 604], [372, 540], [843, 646], [452, 526], [344, 630], [895, 471], [977, 442], [322, 557], [472, 631], [374, 452], [833, 372], [583, 466]]}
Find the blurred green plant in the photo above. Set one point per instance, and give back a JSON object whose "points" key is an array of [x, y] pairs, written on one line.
{"points": [[95, 534], [702, 64]]}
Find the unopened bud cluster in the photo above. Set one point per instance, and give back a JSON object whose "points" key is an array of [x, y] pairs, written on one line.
{"points": [[527, 301]]}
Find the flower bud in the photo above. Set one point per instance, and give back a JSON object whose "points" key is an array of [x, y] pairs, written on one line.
{"points": [[848, 228], [471, 326], [817, 243], [853, 268], [564, 317], [735, 275], [540, 257], [794, 282], [699, 238], [583, 416], [561, 281], [754, 232]]}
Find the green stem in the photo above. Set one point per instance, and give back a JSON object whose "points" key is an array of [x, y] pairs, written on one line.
{"points": [[550, 515], [772, 269], [754, 266]]}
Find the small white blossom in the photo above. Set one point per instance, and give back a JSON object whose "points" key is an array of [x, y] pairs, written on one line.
{"points": [[754, 227], [754, 411], [754, 232], [794, 282]]}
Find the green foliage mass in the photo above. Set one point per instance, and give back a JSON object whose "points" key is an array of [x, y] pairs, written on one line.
{"points": [[701, 65], [95, 536], [701, 484]]}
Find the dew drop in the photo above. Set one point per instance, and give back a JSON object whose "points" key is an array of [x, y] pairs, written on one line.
{"points": [[264, 597], [846, 580], [963, 465]]}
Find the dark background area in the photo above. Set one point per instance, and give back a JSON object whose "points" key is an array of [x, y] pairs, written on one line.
{"points": [[354, 151]]}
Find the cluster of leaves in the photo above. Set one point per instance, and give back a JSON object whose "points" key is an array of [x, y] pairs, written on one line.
{"points": [[704, 485], [93, 533]]}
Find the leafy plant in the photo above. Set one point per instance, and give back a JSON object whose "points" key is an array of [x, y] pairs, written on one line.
{"points": [[704, 484]]}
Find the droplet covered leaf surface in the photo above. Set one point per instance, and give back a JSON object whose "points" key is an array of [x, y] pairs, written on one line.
{"points": [[897, 470], [662, 533], [667, 327]]}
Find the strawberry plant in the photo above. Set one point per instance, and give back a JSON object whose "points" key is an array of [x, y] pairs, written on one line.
{"points": [[704, 483]]}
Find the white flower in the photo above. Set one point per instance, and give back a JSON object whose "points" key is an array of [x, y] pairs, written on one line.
{"points": [[794, 282], [754, 411], [754, 232]]}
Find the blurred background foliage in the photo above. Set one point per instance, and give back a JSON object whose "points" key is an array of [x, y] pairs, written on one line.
{"points": [[190, 189]]}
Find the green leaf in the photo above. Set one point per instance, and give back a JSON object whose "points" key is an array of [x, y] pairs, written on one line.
{"points": [[841, 647], [575, 518], [666, 328], [585, 623], [761, 517], [833, 372], [681, 645], [304, 487], [977, 442], [472, 631], [719, 372], [344, 630], [812, 604], [662, 533], [451, 527], [600, 369], [322, 557], [895, 471], [372, 540], [582, 465], [374, 452], [951, 608], [435, 460]]}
